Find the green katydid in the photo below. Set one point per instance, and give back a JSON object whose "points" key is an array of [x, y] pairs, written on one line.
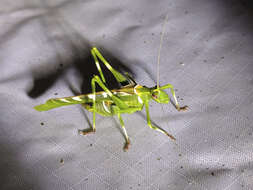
{"points": [[130, 98]]}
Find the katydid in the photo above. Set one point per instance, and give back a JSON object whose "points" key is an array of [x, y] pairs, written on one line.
{"points": [[131, 97]]}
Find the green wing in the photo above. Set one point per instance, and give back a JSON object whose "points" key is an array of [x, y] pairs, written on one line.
{"points": [[58, 102]]}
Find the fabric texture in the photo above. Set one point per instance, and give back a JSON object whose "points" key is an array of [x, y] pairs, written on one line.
{"points": [[206, 55]]}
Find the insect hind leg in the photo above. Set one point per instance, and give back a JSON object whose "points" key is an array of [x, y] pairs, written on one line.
{"points": [[86, 131], [91, 129], [115, 99], [119, 77]]}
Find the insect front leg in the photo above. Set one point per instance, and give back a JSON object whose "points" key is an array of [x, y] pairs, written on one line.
{"points": [[154, 127], [170, 86]]}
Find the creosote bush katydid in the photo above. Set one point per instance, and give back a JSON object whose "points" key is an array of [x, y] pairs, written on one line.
{"points": [[129, 98]]}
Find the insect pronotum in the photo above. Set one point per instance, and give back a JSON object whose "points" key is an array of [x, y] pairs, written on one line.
{"points": [[129, 98]]}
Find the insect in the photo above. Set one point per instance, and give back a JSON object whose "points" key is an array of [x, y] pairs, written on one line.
{"points": [[129, 98]]}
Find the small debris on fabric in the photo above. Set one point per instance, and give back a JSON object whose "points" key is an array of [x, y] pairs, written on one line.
{"points": [[195, 53], [189, 182], [61, 161]]}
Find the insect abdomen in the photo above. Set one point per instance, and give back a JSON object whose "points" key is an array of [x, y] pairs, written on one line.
{"points": [[58, 102]]}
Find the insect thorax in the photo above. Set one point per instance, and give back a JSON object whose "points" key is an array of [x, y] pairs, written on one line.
{"points": [[106, 107]]}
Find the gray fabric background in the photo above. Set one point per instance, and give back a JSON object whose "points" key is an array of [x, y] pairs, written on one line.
{"points": [[206, 55]]}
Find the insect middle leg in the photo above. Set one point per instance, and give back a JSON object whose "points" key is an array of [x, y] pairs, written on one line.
{"points": [[125, 133]]}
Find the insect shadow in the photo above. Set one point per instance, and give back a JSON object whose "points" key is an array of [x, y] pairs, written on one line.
{"points": [[84, 67]]}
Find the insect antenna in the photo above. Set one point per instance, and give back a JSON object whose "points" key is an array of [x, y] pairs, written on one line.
{"points": [[160, 47]]}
